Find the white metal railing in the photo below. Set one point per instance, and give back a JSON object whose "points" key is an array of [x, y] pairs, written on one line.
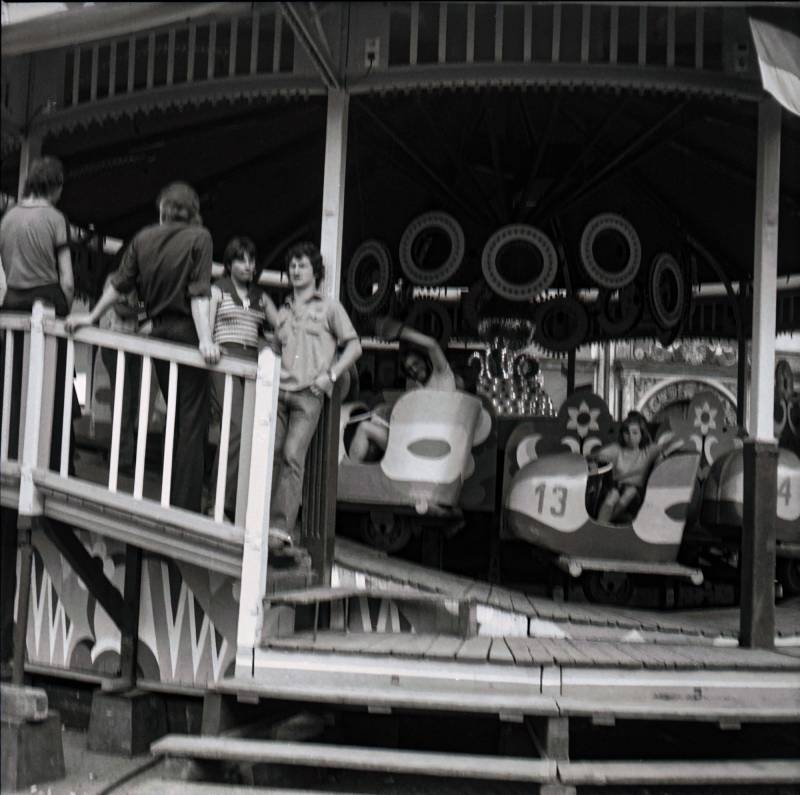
{"points": [[161, 528], [682, 35]]}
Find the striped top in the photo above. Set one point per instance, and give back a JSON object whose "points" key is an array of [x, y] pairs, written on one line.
{"points": [[237, 321]]}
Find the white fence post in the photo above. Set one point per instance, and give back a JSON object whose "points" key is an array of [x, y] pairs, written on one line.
{"points": [[38, 412], [256, 534]]}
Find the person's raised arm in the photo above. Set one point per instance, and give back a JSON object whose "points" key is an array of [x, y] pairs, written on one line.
{"points": [[668, 444], [429, 345]]}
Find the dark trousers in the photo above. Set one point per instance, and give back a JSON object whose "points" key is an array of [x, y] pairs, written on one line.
{"points": [[130, 402], [191, 417]]}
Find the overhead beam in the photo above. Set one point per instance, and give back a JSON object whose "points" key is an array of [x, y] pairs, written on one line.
{"points": [[631, 153], [316, 50], [455, 160], [439, 184], [560, 185], [544, 142]]}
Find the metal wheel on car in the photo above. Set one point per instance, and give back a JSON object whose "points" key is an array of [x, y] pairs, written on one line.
{"points": [[607, 587], [788, 571], [385, 531]]}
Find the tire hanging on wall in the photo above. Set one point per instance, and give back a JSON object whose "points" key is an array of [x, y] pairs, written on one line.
{"points": [[621, 310], [561, 325], [784, 380], [369, 279], [519, 233], [410, 244], [668, 295], [611, 279], [472, 306], [431, 318]]}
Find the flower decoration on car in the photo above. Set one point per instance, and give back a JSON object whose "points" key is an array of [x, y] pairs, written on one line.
{"points": [[583, 419], [705, 418]]}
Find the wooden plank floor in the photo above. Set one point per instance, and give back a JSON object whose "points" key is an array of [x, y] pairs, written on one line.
{"points": [[541, 651]]}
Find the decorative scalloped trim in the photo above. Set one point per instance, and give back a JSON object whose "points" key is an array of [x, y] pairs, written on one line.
{"points": [[608, 279], [527, 234], [167, 98], [452, 228]]}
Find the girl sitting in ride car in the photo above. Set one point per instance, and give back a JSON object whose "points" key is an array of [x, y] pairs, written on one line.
{"points": [[632, 459]]}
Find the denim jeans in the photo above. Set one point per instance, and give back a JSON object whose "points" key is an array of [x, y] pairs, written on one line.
{"points": [[298, 415]]}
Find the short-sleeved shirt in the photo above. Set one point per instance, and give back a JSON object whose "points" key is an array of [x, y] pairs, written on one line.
{"points": [[169, 265], [31, 236], [237, 321], [309, 334], [113, 321], [443, 381], [631, 466]]}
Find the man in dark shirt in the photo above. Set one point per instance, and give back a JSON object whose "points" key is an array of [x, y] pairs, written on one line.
{"points": [[169, 264]]}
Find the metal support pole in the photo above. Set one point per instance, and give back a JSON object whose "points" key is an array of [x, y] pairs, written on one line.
{"points": [[570, 372], [757, 613], [333, 189], [30, 149], [21, 625]]}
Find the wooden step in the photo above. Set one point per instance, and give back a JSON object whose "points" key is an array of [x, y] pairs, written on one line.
{"points": [[756, 772], [495, 768], [171, 787], [386, 697]]}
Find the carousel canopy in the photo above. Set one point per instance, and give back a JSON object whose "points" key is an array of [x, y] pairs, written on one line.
{"points": [[612, 178]]}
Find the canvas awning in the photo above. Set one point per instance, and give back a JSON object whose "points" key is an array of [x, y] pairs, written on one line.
{"points": [[778, 49]]}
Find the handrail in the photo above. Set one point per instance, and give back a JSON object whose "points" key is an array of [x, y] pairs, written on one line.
{"points": [[154, 348], [15, 321]]}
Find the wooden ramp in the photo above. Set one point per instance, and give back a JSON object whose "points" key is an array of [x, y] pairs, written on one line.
{"points": [[504, 611]]}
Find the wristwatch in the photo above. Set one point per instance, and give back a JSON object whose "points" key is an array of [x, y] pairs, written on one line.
{"points": [[332, 375]]}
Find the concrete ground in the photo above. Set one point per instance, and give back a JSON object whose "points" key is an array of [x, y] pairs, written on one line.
{"points": [[90, 773]]}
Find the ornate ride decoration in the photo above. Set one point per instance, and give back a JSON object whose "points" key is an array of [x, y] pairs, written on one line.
{"points": [[561, 324], [370, 266], [620, 311], [522, 233], [610, 279], [409, 248], [432, 318], [669, 294]]}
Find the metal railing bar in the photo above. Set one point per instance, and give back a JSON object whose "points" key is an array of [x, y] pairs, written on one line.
{"points": [[66, 419], [224, 442], [116, 422], [8, 376], [141, 436], [169, 434]]}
